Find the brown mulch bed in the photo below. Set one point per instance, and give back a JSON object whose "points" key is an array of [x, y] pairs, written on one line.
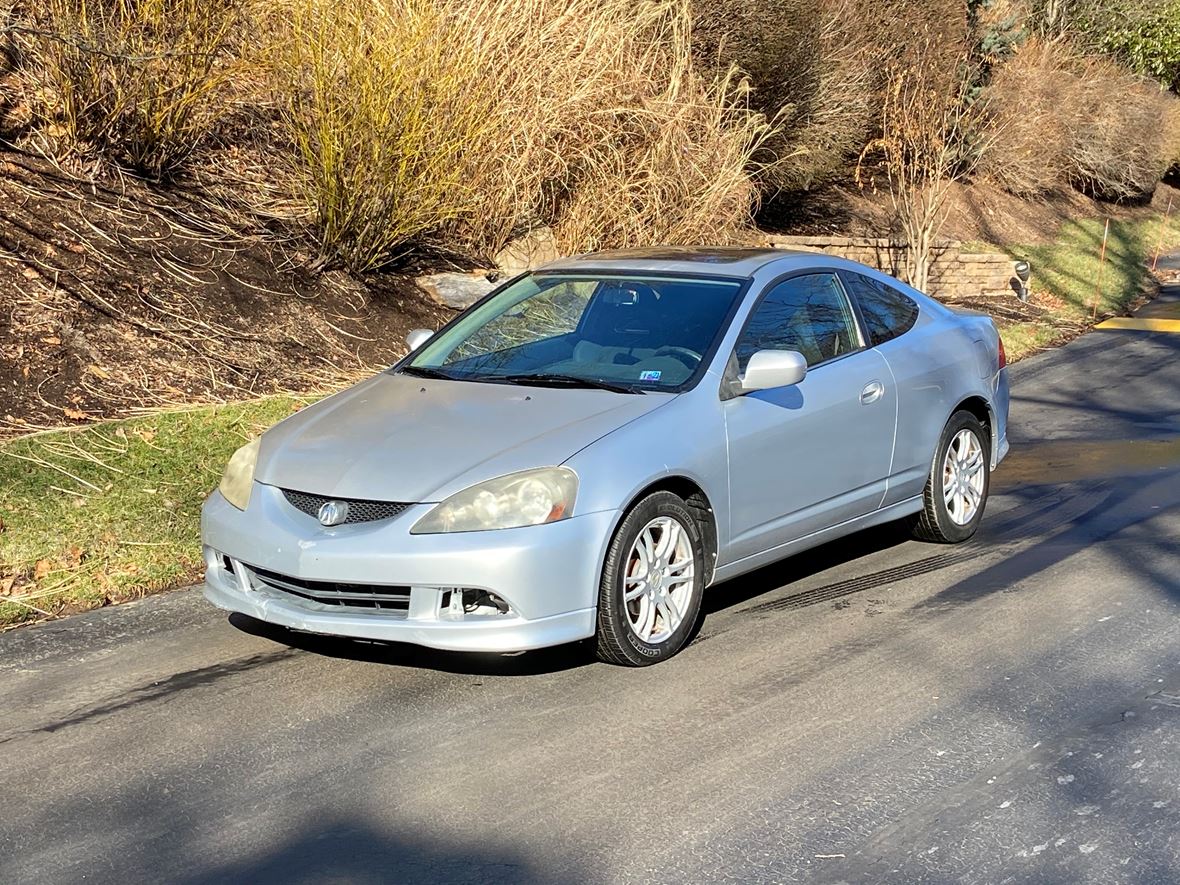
{"points": [[117, 296]]}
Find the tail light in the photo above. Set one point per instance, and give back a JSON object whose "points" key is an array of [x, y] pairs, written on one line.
{"points": [[1003, 355]]}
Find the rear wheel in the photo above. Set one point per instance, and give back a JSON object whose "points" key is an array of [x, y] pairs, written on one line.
{"points": [[956, 490], [652, 580]]}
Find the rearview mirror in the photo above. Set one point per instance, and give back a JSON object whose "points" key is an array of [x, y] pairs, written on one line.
{"points": [[417, 338], [768, 369]]}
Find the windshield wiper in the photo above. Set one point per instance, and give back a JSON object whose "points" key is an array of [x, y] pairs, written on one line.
{"points": [[426, 372], [556, 380]]}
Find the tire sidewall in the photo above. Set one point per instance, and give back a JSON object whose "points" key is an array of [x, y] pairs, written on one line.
{"points": [[948, 527], [614, 617]]}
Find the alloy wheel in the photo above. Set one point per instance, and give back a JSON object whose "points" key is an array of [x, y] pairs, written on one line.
{"points": [[963, 477], [658, 580]]}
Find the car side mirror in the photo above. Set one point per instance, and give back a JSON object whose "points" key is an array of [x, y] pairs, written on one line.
{"points": [[417, 338], [774, 368]]}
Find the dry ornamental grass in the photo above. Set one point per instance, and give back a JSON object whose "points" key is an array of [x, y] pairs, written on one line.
{"points": [[139, 80], [467, 123]]}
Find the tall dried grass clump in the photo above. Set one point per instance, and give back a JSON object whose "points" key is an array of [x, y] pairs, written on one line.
{"points": [[677, 169], [467, 121], [1071, 119], [138, 80]]}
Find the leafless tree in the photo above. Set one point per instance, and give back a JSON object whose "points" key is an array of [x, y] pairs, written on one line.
{"points": [[930, 137]]}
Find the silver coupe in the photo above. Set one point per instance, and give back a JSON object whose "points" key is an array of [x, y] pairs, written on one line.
{"points": [[584, 451]]}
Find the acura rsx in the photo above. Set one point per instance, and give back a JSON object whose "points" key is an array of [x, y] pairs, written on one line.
{"points": [[585, 450]]}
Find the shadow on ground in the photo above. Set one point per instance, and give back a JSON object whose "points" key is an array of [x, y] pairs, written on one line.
{"points": [[354, 851], [398, 654]]}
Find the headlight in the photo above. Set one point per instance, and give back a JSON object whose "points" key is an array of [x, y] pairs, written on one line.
{"points": [[531, 497], [239, 475]]}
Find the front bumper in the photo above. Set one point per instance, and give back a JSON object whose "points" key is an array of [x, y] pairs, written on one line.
{"points": [[548, 575]]}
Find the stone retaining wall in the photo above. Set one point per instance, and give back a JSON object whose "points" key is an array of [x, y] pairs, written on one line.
{"points": [[955, 275]]}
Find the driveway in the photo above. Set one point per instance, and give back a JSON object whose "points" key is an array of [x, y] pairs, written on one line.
{"points": [[876, 710]]}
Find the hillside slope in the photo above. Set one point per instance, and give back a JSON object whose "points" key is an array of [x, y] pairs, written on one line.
{"points": [[118, 297]]}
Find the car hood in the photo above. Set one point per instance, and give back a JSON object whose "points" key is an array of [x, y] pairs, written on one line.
{"points": [[400, 438]]}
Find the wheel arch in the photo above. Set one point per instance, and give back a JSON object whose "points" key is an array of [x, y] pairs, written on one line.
{"points": [[698, 504], [982, 409]]}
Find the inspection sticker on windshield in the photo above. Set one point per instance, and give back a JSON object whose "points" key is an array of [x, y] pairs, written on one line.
{"points": [[650, 376]]}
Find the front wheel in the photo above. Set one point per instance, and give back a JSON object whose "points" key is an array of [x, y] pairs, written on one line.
{"points": [[956, 490], [652, 581]]}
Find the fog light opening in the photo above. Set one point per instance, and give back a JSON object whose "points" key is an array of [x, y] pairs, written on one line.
{"points": [[465, 602]]}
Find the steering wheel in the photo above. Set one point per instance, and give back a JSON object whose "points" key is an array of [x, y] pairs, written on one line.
{"points": [[689, 357]]}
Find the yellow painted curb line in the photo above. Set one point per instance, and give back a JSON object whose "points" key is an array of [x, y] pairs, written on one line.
{"points": [[1143, 324]]}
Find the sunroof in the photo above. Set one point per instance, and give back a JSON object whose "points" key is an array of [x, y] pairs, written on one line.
{"points": [[702, 254]]}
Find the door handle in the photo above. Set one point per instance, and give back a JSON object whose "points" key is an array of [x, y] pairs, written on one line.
{"points": [[873, 391]]}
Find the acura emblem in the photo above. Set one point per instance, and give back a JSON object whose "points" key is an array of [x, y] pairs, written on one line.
{"points": [[333, 512]]}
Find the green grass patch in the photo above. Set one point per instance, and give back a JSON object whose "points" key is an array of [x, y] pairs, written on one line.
{"points": [[1076, 287], [1023, 339], [1071, 268], [111, 512]]}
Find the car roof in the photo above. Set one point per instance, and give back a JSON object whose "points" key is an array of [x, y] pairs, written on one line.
{"points": [[728, 261]]}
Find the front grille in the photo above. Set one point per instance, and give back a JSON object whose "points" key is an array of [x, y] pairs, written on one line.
{"points": [[358, 510], [335, 593]]}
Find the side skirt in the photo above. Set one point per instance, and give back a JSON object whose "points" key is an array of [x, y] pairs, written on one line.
{"points": [[750, 563]]}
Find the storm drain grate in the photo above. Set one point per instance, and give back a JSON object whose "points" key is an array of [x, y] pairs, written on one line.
{"points": [[1028, 522]]}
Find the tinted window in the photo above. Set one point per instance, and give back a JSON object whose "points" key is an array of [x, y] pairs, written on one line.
{"points": [[645, 332], [887, 312], [555, 310], [809, 314]]}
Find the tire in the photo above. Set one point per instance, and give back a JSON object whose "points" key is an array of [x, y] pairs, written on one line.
{"points": [[621, 624], [952, 522]]}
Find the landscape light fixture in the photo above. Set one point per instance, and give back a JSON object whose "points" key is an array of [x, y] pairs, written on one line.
{"points": [[1023, 275]]}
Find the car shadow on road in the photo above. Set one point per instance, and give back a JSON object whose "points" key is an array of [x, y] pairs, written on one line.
{"points": [[346, 849], [399, 654], [782, 574]]}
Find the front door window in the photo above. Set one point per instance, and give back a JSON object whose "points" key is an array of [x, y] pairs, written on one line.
{"points": [[809, 314]]}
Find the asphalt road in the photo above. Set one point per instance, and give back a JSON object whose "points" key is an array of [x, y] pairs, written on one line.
{"points": [[878, 710]]}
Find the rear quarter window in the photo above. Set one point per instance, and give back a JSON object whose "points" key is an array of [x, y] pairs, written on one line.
{"points": [[887, 312]]}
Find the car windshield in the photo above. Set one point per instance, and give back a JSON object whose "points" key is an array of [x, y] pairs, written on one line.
{"points": [[626, 333]]}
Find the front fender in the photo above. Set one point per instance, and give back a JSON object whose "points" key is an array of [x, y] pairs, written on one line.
{"points": [[685, 440]]}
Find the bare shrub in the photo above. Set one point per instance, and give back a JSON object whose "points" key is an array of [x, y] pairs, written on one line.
{"points": [[1172, 135], [816, 68], [813, 67], [1027, 95], [831, 118], [812, 70], [138, 80], [1084, 121], [1119, 150], [471, 121], [929, 139]]}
